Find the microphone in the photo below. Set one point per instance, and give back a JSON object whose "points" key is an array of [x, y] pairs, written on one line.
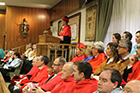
{"points": [[48, 28]]}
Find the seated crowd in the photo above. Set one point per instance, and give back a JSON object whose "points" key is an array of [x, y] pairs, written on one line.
{"points": [[93, 70]]}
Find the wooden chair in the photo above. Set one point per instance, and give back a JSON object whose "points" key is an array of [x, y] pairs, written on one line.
{"points": [[17, 70], [3, 86]]}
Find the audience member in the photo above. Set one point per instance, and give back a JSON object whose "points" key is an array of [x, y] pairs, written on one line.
{"points": [[10, 67], [124, 49], [22, 79], [136, 67], [113, 57], [9, 59], [80, 53], [132, 87], [27, 65], [68, 81], [88, 54], [7, 56], [98, 55], [126, 35], [33, 54], [137, 39], [82, 73], [50, 69], [28, 49], [39, 76], [116, 37], [109, 81], [53, 80]]}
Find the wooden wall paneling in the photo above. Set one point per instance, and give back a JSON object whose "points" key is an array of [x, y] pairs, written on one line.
{"points": [[64, 7], [2, 29], [38, 20]]}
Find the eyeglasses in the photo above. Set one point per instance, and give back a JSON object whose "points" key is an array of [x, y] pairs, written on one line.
{"points": [[93, 48], [121, 46], [138, 47], [56, 64]]}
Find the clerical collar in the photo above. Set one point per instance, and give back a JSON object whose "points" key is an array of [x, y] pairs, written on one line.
{"points": [[127, 56]]}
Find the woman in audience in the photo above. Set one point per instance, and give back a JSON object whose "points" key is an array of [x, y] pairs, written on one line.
{"points": [[33, 54], [88, 53], [113, 57], [116, 37], [80, 53], [27, 64]]}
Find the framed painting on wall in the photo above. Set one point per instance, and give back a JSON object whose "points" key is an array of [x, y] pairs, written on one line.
{"points": [[91, 14], [74, 22]]}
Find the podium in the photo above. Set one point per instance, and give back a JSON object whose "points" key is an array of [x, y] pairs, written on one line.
{"points": [[48, 39], [45, 42]]}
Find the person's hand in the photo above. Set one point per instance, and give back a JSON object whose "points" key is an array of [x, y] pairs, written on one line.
{"points": [[19, 86], [37, 90], [2, 64], [26, 88]]}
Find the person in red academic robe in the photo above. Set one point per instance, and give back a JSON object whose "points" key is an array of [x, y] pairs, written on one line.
{"points": [[80, 53], [98, 55], [135, 72], [85, 84], [25, 77], [65, 33], [68, 82], [37, 76], [95, 62], [53, 80], [48, 85], [136, 67], [65, 86]]}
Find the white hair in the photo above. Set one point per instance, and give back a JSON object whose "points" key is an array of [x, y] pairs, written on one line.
{"points": [[71, 64], [100, 46]]}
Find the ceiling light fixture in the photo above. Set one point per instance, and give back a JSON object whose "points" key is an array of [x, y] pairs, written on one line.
{"points": [[2, 3]]}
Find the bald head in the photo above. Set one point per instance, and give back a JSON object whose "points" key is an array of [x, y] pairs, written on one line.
{"points": [[133, 86], [67, 70]]}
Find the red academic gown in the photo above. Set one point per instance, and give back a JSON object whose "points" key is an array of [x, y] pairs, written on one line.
{"points": [[85, 86], [32, 72], [95, 62], [135, 72], [37, 76], [66, 31], [78, 58], [51, 83], [65, 86]]}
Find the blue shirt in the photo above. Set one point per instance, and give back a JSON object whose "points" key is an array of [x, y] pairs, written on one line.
{"points": [[87, 59], [116, 90], [133, 52]]}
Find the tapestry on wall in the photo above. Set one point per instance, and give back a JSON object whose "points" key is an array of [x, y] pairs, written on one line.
{"points": [[90, 32]]}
